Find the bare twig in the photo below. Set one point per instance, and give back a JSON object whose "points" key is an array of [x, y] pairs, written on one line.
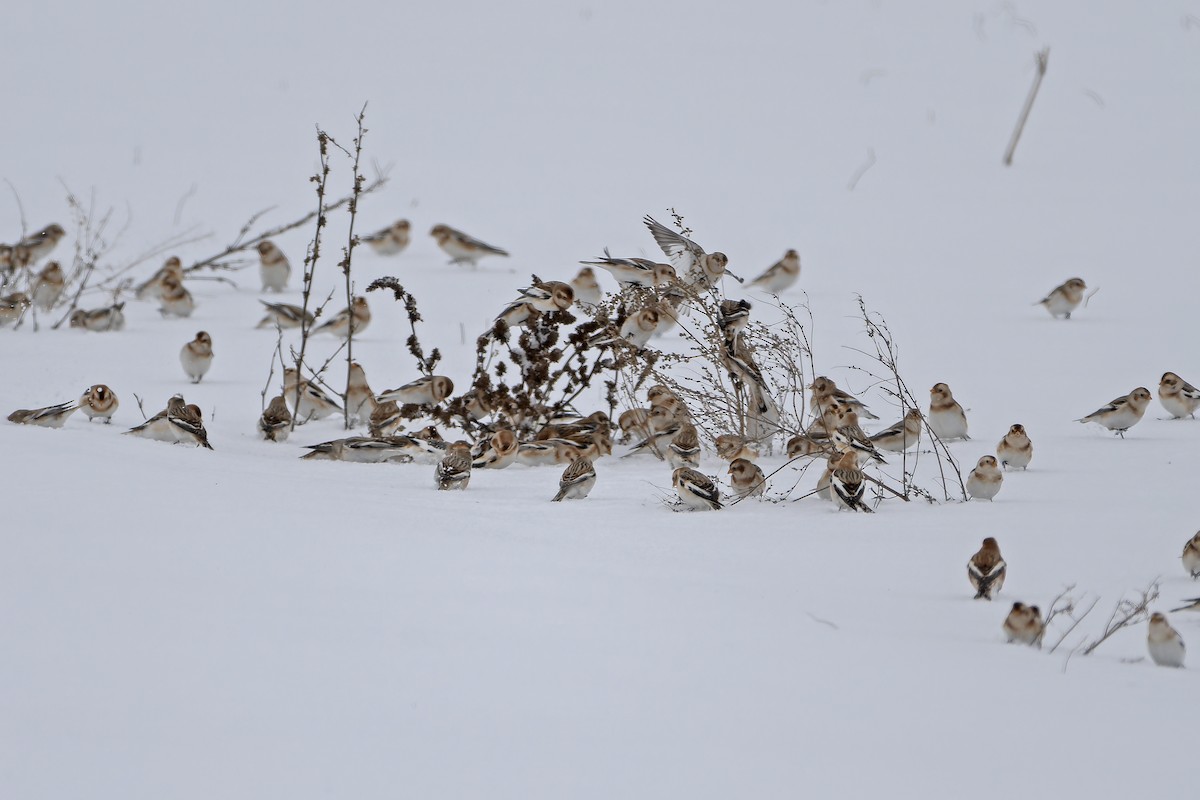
{"points": [[1126, 612], [1043, 59]]}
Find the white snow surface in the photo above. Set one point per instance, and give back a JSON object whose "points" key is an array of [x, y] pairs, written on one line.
{"points": [[178, 623]]}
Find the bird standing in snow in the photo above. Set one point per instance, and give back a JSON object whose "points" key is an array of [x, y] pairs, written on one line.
{"points": [[313, 403], [1177, 396], [1191, 556], [946, 417], [48, 286], [99, 402], [48, 417], [453, 473], [174, 300], [1164, 642], [360, 400], [276, 421], [577, 480], [986, 570], [285, 315], [197, 356], [747, 478], [273, 267], [392, 240], [696, 490], [1122, 413], [684, 449], [903, 435], [1015, 449], [498, 452], [1024, 624], [353, 319], [985, 480], [1064, 299], [461, 248]]}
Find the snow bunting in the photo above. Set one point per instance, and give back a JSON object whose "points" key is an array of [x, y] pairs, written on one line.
{"points": [[353, 319], [634, 423], [731, 447], [174, 300], [638, 328], [847, 435], [1177, 396], [285, 315], [312, 404], [1064, 299], [197, 356], [454, 472], [1015, 449], [946, 417], [586, 287], [735, 315], [364, 449], [37, 245], [659, 438], [701, 270], [385, 420], [901, 436], [159, 427], [660, 395], [12, 308], [1164, 642], [696, 490], [497, 452], [360, 400], [111, 318], [48, 286], [848, 484], [634, 271], [48, 417], [152, 289], [577, 480], [392, 240], [780, 275], [684, 450], [273, 267], [1191, 556], [189, 426], [427, 391], [804, 445], [276, 422], [984, 481], [99, 402], [1024, 624], [825, 393], [986, 570], [548, 296], [747, 478], [461, 248], [1122, 413]]}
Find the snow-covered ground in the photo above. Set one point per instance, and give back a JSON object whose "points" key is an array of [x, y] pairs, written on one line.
{"points": [[240, 623]]}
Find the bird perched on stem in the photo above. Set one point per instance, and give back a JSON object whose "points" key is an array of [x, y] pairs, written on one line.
{"points": [[351, 320], [634, 271], [699, 269]]}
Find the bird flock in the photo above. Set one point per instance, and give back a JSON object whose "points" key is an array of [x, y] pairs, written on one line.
{"points": [[653, 297]]}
